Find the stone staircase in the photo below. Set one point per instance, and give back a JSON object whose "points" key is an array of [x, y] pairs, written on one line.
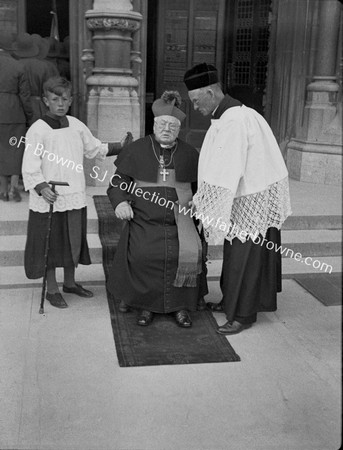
{"points": [[318, 236], [13, 225]]}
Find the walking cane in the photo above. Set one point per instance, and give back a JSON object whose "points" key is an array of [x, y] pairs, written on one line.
{"points": [[47, 241]]}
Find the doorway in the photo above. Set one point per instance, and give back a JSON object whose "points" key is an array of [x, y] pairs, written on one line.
{"points": [[234, 36], [39, 18], [246, 55], [188, 32]]}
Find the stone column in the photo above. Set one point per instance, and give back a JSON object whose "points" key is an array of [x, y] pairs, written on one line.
{"points": [[315, 154], [113, 106]]}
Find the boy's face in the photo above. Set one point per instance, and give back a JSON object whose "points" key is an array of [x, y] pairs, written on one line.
{"points": [[58, 104]]}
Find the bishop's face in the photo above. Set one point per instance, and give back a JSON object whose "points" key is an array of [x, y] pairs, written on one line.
{"points": [[166, 129]]}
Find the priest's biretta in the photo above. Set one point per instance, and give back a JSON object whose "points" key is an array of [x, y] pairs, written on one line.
{"points": [[201, 75]]}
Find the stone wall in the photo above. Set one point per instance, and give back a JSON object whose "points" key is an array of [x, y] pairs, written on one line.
{"points": [[113, 106], [304, 88]]}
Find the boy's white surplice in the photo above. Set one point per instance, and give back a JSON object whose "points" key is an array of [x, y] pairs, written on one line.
{"points": [[242, 178], [57, 155]]}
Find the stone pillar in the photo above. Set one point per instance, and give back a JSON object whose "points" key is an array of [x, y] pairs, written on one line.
{"points": [[113, 105], [315, 154]]}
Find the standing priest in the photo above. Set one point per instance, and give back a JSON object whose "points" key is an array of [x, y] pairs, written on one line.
{"points": [[242, 198], [157, 267]]}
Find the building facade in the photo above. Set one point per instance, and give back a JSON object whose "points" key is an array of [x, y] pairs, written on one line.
{"points": [[281, 57]]}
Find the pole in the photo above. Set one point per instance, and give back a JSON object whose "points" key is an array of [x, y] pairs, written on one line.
{"points": [[47, 243]]}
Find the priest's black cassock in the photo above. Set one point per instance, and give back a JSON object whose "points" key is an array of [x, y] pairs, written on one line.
{"points": [[146, 260], [251, 273]]}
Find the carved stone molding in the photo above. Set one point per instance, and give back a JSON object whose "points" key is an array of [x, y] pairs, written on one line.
{"points": [[105, 21], [112, 24]]}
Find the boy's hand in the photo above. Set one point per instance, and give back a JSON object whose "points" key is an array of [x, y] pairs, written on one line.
{"points": [[124, 211], [126, 140], [49, 195]]}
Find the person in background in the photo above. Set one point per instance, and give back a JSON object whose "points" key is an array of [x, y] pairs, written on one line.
{"points": [[27, 49], [63, 63], [157, 267], [55, 147], [54, 50], [44, 46], [15, 115], [243, 195]]}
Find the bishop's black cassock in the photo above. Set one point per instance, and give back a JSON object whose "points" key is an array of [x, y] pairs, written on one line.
{"points": [[146, 260]]}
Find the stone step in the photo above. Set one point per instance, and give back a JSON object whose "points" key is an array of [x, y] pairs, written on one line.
{"points": [[18, 227], [312, 243], [14, 276], [328, 264], [12, 249], [306, 242], [332, 222]]}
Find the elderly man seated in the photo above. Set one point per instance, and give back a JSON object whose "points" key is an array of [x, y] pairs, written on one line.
{"points": [[157, 267]]}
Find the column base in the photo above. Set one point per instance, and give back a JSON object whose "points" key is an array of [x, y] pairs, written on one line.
{"points": [[314, 162], [113, 110]]}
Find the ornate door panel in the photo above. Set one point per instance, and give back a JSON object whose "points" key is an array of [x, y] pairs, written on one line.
{"points": [[38, 17], [189, 32], [12, 16], [247, 51]]}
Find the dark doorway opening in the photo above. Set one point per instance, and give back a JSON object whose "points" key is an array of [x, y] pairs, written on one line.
{"points": [[182, 33], [38, 17], [246, 55], [151, 62], [233, 35]]}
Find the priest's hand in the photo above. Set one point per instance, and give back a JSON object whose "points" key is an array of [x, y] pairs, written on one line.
{"points": [[126, 140], [191, 204], [124, 211]]}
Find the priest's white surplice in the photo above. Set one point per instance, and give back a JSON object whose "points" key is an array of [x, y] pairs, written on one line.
{"points": [[242, 178]]}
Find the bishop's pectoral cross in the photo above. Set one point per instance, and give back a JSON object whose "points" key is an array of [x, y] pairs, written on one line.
{"points": [[164, 173]]}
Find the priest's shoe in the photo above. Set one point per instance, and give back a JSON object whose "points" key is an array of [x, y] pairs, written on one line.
{"points": [[78, 290], [233, 327], [123, 307], [182, 319], [215, 307], [145, 318], [56, 300], [201, 306]]}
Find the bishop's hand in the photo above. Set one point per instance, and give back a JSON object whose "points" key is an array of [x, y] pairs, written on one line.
{"points": [[124, 211]]}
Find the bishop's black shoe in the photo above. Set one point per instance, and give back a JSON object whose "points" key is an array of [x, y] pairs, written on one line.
{"points": [[145, 318], [182, 319]]}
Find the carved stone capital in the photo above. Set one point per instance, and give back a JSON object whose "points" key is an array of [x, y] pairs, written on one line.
{"points": [[106, 21]]}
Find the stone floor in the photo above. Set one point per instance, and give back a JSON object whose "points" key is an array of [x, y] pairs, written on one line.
{"points": [[62, 388]]}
